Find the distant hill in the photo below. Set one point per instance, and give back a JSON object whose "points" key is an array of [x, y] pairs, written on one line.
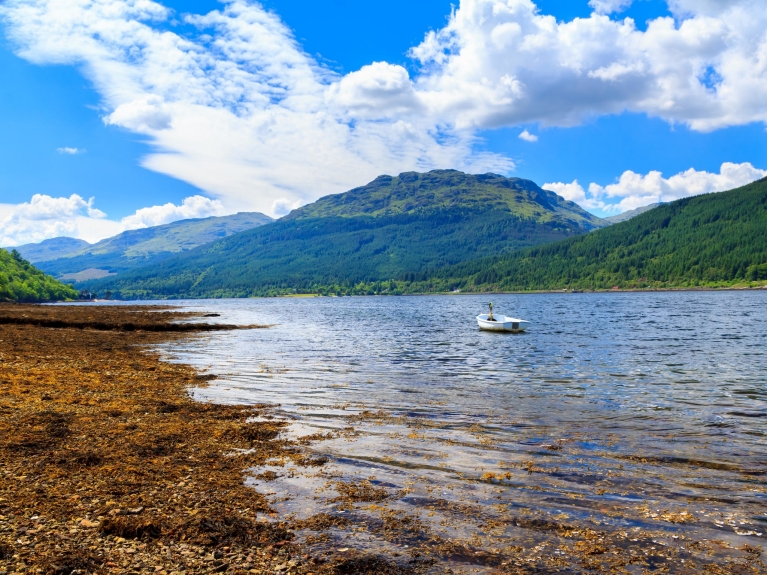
{"points": [[716, 239], [21, 281], [393, 225], [51, 249], [629, 214], [146, 246]]}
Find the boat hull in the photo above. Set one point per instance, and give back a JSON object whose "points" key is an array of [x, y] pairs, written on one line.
{"points": [[502, 323]]}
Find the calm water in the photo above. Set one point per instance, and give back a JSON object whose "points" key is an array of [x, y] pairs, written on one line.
{"points": [[627, 414]]}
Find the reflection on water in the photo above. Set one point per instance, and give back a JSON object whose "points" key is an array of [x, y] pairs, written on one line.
{"points": [[631, 425]]}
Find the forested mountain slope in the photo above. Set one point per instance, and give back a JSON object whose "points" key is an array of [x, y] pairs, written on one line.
{"points": [[716, 239], [410, 223], [21, 281]]}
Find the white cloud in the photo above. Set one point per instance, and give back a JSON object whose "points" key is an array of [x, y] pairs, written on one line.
{"points": [[610, 6], [70, 151], [377, 90], [528, 137], [46, 217], [634, 190], [502, 62], [575, 193], [192, 207], [42, 207], [283, 206], [147, 114], [232, 104], [237, 108]]}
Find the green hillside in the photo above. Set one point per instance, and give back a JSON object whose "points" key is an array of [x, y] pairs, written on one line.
{"points": [[51, 249], [712, 240], [444, 190], [136, 248], [20, 281], [394, 225]]}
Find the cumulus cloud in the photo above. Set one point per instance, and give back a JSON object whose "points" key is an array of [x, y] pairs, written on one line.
{"points": [[192, 207], [502, 62], [634, 190], [70, 151], [42, 207], [45, 217], [232, 104], [146, 114], [575, 193], [528, 137], [377, 90]]}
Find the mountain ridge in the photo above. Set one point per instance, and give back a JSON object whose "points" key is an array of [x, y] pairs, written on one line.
{"points": [[145, 246], [368, 234], [395, 195], [630, 213], [50, 249]]}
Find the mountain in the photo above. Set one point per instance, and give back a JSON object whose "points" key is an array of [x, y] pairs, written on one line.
{"points": [[21, 281], [51, 249], [147, 246], [438, 190], [711, 240], [630, 214], [393, 225]]}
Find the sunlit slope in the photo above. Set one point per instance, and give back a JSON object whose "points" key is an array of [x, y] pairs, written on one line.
{"points": [[445, 190], [21, 281], [136, 248], [394, 225], [712, 240]]}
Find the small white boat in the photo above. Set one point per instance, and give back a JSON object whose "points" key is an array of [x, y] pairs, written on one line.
{"points": [[502, 323]]}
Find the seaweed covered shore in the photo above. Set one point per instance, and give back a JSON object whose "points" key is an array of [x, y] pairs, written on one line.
{"points": [[107, 465]]}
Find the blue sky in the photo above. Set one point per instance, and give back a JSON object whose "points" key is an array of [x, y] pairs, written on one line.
{"points": [[64, 131]]}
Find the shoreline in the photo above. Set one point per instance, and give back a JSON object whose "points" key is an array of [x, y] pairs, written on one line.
{"points": [[109, 466], [460, 293]]}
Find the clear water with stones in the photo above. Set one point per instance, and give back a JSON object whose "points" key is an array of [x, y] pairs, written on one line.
{"points": [[618, 412]]}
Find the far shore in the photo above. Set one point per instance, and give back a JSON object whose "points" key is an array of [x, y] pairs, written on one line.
{"points": [[460, 293]]}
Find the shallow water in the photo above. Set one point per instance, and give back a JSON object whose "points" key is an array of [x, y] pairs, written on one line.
{"points": [[639, 417]]}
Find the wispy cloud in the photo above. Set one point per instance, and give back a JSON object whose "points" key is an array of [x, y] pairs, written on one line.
{"points": [[235, 106], [70, 151], [238, 109]]}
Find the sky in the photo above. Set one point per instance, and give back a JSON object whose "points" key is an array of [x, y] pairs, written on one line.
{"points": [[121, 114]]}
